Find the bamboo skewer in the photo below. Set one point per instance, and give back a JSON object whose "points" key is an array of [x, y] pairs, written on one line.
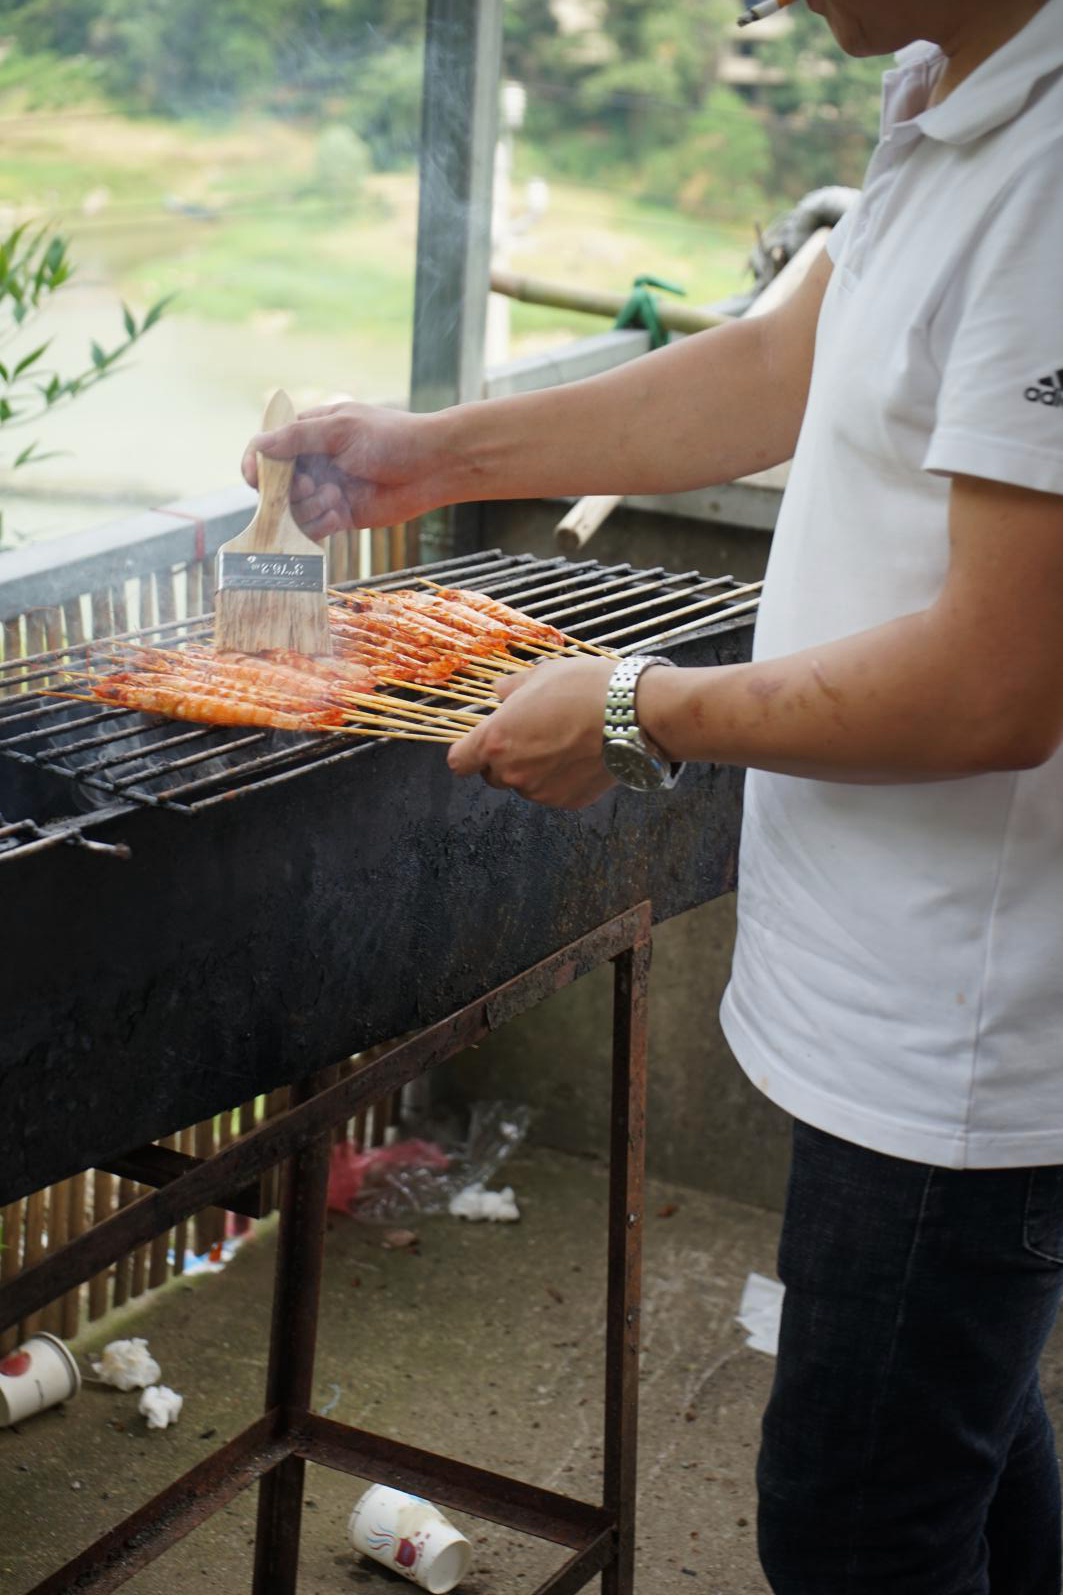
{"points": [[466, 697]]}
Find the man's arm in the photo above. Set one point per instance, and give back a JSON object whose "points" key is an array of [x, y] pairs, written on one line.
{"points": [[705, 409], [969, 685]]}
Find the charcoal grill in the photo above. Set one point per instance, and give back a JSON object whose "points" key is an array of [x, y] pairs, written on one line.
{"points": [[142, 994], [149, 860]]}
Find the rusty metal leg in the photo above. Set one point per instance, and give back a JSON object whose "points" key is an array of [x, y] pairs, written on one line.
{"points": [[290, 1375], [627, 1119]]}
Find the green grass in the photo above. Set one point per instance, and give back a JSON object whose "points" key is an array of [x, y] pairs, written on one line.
{"points": [[278, 246]]}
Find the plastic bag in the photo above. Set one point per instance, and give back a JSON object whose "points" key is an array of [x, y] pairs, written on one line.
{"points": [[419, 1176]]}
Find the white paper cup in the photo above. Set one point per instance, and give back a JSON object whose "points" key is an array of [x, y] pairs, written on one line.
{"points": [[411, 1537], [37, 1375]]}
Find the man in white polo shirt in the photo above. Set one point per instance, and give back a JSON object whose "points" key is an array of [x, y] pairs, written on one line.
{"points": [[896, 980]]}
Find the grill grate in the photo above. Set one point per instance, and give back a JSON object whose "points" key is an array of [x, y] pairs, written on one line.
{"points": [[112, 758]]}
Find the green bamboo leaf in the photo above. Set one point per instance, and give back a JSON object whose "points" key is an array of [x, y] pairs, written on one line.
{"points": [[156, 311], [128, 322], [99, 359], [28, 360]]}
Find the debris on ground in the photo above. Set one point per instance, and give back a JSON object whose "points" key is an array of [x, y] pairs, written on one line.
{"points": [[759, 1312], [423, 1174], [160, 1406], [473, 1202], [399, 1240], [127, 1365]]}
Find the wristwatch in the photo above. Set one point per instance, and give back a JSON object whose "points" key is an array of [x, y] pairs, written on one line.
{"points": [[628, 754]]}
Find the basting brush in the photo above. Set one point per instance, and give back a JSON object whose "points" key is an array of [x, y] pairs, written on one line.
{"points": [[271, 584]]}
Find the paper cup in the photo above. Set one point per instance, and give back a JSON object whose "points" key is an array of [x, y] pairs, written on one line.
{"points": [[410, 1536], [37, 1375]]}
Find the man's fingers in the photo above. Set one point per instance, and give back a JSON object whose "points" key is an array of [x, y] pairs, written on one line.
{"points": [[466, 757], [312, 436], [509, 685]]}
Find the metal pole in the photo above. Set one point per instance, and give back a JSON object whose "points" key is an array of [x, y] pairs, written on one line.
{"points": [[293, 1334], [625, 1236], [460, 113]]}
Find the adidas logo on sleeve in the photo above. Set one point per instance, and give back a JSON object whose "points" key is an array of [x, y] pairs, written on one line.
{"points": [[1047, 391]]}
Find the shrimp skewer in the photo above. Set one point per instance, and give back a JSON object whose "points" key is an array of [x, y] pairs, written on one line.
{"points": [[211, 709]]}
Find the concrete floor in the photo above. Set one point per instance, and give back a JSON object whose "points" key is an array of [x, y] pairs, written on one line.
{"points": [[485, 1344]]}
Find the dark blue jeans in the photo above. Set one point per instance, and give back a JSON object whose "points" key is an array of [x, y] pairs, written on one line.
{"points": [[906, 1447]]}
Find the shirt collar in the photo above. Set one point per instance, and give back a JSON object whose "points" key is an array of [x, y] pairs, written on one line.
{"points": [[988, 97]]}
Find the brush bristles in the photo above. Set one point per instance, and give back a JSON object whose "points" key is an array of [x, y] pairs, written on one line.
{"points": [[249, 622]]}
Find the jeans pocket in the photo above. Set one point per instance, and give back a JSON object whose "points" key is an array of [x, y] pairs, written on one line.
{"points": [[1042, 1214]]}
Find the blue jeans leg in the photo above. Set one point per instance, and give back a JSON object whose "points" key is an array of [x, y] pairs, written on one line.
{"points": [[905, 1447]]}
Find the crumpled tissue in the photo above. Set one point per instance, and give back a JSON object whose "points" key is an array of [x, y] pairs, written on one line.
{"points": [[759, 1312], [127, 1365], [473, 1202], [160, 1406]]}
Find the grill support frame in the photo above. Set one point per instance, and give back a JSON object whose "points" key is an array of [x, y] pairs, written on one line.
{"points": [[275, 1449]]}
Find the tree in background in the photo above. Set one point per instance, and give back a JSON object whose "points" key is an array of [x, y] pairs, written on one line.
{"points": [[633, 97]]}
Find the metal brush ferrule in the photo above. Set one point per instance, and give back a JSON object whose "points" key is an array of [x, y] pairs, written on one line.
{"points": [[285, 573]]}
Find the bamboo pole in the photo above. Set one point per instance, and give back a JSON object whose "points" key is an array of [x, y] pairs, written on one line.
{"points": [[103, 1194], [58, 1218], [10, 1264], [599, 302], [33, 1251], [75, 1227]]}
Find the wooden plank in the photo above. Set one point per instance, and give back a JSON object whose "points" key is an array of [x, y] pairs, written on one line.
{"points": [[194, 589], [73, 622], [204, 1224], [33, 1250], [76, 1223], [13, 638], [120, 607], [100, 607], [58, 1218], [10, 1263], [166, 598], [187, 1143], [159, 1246], [207, 588], [379, 551], [36, 635], [103, 1201], [397, 547], [146, 601], [54, 630], [124, 1266], [138, 1269], [338, 563]]}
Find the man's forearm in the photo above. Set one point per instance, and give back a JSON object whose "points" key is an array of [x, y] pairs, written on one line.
{"points": [[887, 705], [711, 408]]}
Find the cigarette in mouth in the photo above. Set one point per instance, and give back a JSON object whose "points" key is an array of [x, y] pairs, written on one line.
{"points": [[763, 8]]}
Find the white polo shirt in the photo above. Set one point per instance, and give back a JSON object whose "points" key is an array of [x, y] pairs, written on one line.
{"points": [[897, 971]]}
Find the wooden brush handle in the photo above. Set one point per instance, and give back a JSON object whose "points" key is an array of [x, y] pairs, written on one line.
{"points": [[275, 476]]}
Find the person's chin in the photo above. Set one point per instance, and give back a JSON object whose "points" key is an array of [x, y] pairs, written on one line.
{"points": [[852, 34]]}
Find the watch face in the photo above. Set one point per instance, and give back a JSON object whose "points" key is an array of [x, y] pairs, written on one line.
{"points": [[633, 767]]}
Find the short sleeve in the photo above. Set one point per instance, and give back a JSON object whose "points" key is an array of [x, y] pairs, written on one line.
{"points": [[999, 407]]}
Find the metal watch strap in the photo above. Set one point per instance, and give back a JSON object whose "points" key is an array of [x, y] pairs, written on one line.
{"points": [[620, 722]]}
